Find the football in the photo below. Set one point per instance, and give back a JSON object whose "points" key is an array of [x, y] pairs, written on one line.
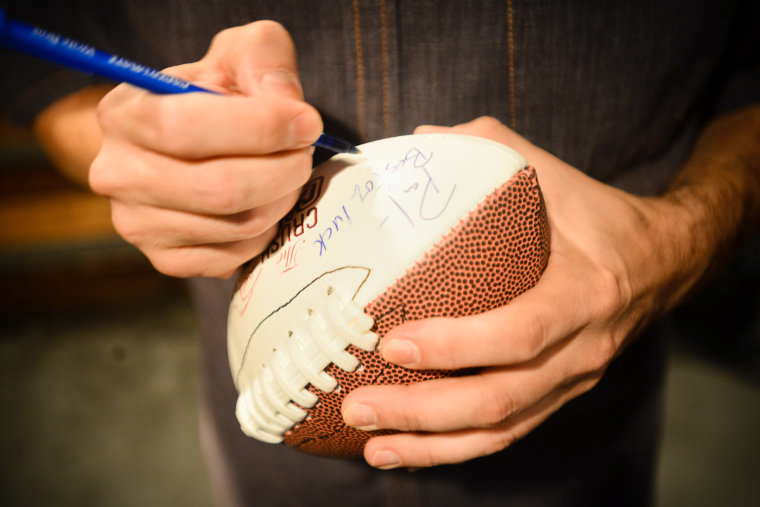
{"points": [[413, 227]]}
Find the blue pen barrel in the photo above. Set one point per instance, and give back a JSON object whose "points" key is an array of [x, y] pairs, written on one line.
{"points": [[54, 47]]}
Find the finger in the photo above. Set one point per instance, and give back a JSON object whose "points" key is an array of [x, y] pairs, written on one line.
{"points": [[203, 125], [480, 400], [218, 186], [160, 228], [430, 449], [212, 260], [257, 58], [517, 332], [450, 404]]}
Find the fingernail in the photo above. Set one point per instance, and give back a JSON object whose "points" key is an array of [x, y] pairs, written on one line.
{"points": [[401, 352], [360, 417], [281, 82], [385, 460]]}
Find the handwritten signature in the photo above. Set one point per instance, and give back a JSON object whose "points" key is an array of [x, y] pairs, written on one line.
{"points": [[422, 200]]}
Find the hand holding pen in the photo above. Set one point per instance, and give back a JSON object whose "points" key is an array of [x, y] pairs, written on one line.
{"points": [[77, 55], [199, 181]]}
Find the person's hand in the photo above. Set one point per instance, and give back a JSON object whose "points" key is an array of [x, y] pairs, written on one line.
{"points": [[603, 281], [198, 181]]}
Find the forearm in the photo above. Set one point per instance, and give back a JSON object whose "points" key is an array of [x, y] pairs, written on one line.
{"points": [[716, 200], [69, 133]]}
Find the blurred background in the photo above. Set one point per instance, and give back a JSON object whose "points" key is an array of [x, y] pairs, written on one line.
{"points": [[99, 364]]}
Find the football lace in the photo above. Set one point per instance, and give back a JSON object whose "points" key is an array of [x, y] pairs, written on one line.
{"points": [[278, 396]]}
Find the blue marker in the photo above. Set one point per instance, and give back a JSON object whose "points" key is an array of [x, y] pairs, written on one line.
{"points": [[58, 49]]}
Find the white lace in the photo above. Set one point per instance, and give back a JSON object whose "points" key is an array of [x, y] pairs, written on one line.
{"points": [[276, 398]]}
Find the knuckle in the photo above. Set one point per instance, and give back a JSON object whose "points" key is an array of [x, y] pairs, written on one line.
{"points": [[250, 231], [221, 192], [429, 459], [494, 407], [168, 268], [116, 109], [249, 225], [487, 121], [268, 28], [403, 416], [409, 421], [110, 109], [534, 339], [173, 262], [127, 227], [410, 418], [602, 353], [584, 385], [223, 36], [254, 222], [501, 439], [104, 113], [448, 353], [230, 37], [165, 125], [247, 36], [106, 181], [104, 176], [98, 177], [588, 383], [264, 33], [611, 295]]}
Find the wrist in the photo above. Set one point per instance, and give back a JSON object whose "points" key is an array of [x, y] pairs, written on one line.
{"points": [[682, 242], [710, 207]]}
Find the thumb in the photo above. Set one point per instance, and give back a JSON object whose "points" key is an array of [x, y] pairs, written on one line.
{"points": [[256, 59]]}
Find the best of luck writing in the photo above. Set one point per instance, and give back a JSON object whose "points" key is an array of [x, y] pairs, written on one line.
{"points": [[420, 199]]}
